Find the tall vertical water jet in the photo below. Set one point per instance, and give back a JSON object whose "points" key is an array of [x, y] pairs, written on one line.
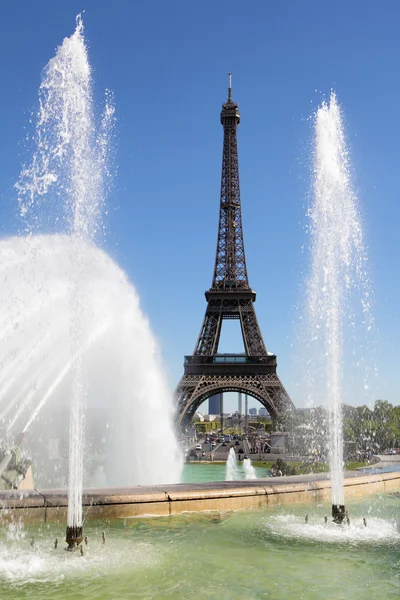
{"points": [[68, 148], [80, 299], [338, 269]]}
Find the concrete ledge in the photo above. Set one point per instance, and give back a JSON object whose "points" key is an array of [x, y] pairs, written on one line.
{"points": [[113, 503]]}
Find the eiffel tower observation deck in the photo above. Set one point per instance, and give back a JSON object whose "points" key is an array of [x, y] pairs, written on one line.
{"points": [[206, 372]]}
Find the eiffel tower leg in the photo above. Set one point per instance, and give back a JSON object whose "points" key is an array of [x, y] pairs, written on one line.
{"points": [[208, 340], [282, 403], [252, 337], [186, 394]]}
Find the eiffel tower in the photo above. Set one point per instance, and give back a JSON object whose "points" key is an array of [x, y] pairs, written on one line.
{"points": [[230, 297]]}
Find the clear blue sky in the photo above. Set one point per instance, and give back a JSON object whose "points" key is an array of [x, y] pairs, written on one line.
{"points": [[167, 64]]}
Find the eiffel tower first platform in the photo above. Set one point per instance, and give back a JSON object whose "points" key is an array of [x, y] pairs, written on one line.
{"points": [[230, 297]]}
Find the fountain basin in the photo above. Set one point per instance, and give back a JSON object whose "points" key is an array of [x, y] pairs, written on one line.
{"points": [[35, 506], [265, 553]]}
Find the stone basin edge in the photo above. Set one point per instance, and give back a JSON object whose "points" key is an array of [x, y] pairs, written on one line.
{"points": [[51, 505]]}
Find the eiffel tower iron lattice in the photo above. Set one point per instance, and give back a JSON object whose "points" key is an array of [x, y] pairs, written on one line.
{"points": [[230, 297]]}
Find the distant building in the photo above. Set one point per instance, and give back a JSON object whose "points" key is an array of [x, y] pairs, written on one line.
{"points": [[214, 404], [253, 412], [262, 412]]}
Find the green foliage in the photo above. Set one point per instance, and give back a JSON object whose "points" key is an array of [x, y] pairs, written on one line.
{"points": [[284, 467], [318, 467], [206, 426], [304, 468], [349, 466], [376, 429]]}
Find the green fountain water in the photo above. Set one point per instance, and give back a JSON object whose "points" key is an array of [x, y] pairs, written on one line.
{"points": [[242, 555]]}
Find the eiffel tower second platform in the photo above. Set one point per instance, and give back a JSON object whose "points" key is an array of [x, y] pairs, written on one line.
{"points": [[206, 372]]}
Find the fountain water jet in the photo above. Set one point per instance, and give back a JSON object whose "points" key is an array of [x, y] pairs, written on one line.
{"points": [[338, 268], [249, 470], [66, 111], [70, 168], [232, 472]]}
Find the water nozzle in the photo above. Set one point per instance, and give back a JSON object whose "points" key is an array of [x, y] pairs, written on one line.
{"points": [[338, 513], [73, 537]]}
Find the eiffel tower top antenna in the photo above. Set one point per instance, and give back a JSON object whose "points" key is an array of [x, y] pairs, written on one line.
{"points": [[230, 271]]}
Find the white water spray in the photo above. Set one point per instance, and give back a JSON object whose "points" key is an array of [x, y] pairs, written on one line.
{"points": [[249, 470], [125, 381], [232, 472], [338, 270]]}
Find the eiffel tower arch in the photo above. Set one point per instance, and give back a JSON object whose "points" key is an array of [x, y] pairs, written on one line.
{"points": [[206, 372]]}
